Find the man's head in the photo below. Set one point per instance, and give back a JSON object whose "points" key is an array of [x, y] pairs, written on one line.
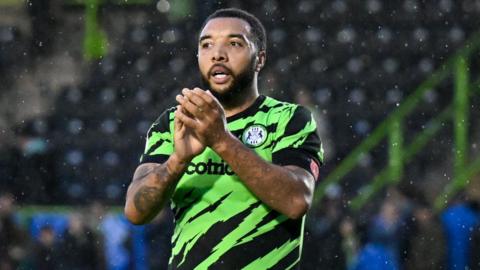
{"points": [[231, 52]]}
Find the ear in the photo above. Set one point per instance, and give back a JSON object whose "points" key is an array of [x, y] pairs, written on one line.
{"points": [[260, 59]]}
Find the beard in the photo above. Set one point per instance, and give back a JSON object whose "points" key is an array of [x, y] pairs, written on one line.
{"points": [[234, 93]]}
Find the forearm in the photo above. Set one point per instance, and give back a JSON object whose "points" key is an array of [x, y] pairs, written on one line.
{"points": [[151, 187], [280, 188]]}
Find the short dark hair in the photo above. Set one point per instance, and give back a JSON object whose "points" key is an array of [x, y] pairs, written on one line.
{"points": [[257, 28]]}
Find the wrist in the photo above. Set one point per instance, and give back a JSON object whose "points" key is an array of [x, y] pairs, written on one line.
{"points": [[223, 144], [175, 165]]}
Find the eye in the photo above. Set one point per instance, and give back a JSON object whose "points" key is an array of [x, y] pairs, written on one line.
{"points": [[206, 45], [236, 44]]}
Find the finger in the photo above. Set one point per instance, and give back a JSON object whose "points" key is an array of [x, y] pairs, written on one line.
{"points": [[186, 121], [178, 125], [186, 112], [195, 98], [207, 99], [179, 129], [188, 107], [212, 99]]}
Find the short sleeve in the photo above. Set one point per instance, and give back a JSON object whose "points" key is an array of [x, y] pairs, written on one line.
{"points": [[159, 141], [297, 142]]}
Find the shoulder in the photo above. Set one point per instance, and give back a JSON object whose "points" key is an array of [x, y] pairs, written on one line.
{"points": [[162, 123], [166, 116], [287, 111], [276, 105]]}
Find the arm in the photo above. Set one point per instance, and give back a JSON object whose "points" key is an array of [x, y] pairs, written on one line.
{"points": [[153, 184], [286, 189]]}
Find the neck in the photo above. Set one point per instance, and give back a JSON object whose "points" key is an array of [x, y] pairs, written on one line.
{"points": [[243, 101]]}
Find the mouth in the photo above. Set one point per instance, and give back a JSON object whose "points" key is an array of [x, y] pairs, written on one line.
{"points": [[220, 74]]}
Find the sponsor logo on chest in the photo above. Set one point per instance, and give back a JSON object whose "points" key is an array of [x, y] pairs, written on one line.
{"points": [[209, 167]]}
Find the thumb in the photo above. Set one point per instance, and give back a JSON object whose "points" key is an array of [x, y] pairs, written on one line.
{"points": [[178, 125]]}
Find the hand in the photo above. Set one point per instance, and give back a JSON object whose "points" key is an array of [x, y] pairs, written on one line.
{"points": [[187, 145], [204, 115]]}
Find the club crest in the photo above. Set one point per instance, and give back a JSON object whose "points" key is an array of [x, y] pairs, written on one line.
{"points": [[254, 136]]}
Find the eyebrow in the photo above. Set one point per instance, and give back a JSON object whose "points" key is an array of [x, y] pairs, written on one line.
{"points": [[240, 36]]}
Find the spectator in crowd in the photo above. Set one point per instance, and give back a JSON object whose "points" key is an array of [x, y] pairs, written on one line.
{"points": [[47, 252], [13, 240], [427, 249], [34, 173], [42, 20], [6, 167], [459, 221], [304, 97], [81, 248], [118, 242], [159, 233], [475, 253], [94, 216], [374, 256], [350, 241], [385, 229], [323, 246]]}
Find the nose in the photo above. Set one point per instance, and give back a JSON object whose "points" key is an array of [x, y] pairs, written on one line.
{"points": [[219, 54]]}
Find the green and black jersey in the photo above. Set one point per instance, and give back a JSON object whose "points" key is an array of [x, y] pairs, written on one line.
{"points": [[219, 223]]}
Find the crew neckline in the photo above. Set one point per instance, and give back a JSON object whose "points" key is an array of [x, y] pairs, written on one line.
{"points": [[252, 108]]}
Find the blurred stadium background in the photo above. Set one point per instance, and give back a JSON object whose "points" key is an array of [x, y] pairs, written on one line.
{"points": [[394, 85]]}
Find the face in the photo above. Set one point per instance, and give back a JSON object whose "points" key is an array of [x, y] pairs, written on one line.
{"points": [[227, 57]]}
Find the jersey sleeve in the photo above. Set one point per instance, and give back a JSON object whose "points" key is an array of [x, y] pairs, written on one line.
{"points": [[159, 141], [298, 142]]}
